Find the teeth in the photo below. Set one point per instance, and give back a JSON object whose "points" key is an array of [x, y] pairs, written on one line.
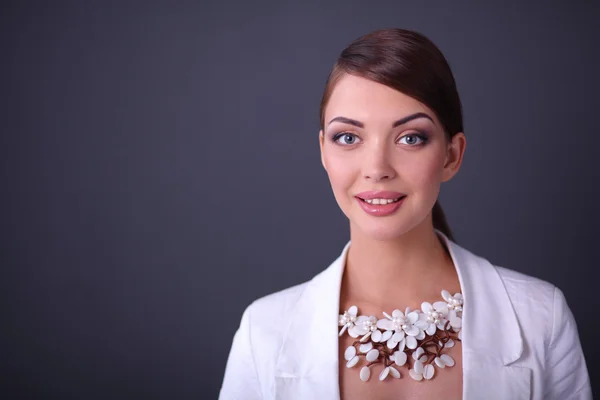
{"points": [[381, 201]]}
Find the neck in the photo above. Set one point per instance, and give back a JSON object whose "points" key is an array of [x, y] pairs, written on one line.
{"points": [[406, 270]]}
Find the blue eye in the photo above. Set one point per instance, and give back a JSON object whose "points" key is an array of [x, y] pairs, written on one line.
{"points": [[414, 138], [345, 138]]}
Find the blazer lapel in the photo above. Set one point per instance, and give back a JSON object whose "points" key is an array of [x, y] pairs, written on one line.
{"points": [[491, 334], [307, 367]]}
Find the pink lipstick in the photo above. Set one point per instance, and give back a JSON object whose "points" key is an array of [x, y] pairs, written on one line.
{"points": [[380, 203]]}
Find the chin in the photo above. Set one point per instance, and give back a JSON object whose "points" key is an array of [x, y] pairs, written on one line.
{"points": [[382, 231], [386, 228]]}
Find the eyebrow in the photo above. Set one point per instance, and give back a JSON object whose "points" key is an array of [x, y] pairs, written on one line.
{"points": [[401, 121]]}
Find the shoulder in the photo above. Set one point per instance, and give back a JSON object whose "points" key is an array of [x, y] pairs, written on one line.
{"points": [[523, 288], [505, 289], [533, 300], [540, 307], [268, 317], [266, 321], [279, 303], [550, 333], [256, 343]]}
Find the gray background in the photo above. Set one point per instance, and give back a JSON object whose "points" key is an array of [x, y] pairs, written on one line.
{"points": [[160, 170]]}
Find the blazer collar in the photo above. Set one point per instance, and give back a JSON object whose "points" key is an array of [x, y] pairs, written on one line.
{"points": [[308, 360]]}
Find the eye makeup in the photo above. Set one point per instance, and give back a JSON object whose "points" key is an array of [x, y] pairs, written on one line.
{"points": [[337, 136], [421, 136]]}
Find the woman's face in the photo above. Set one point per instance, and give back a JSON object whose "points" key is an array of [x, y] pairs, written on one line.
{"points": [[380, 144]]}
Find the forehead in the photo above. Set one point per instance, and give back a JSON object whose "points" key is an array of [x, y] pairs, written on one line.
{"points": [[362, 99]]}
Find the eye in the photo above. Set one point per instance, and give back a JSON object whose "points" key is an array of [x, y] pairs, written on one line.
{"points": [[345, 139], [414, 139]]}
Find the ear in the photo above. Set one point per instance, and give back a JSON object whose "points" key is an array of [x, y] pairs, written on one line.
{"points": [[321, 144], [454, 156]]}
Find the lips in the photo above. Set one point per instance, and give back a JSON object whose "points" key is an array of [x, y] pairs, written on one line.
{"points": [[381, 201], [380, 194], [379, 204]]}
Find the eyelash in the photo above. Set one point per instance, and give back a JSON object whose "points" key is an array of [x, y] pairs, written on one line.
{"points": [[424, 138]]}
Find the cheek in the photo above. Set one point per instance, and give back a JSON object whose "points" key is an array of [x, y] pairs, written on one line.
{"points": [[423, 172], [340, 172]]}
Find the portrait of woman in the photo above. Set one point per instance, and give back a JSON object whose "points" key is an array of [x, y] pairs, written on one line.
{"points": [[300, 200], [404, 311]]}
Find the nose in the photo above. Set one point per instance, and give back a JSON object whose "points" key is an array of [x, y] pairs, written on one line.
{"points": [[377, 166]]}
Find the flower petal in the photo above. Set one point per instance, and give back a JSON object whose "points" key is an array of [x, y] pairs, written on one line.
{"points": [[394, 372], [426, 307], [400, 358], [365, 374], [353, 361], [386, 336], [449, 344], [456, 322], [354, 331], [414, 375], [353, 310], [411, 342], [438, 361], [385, 324], [376, 335], [412, 317], [365, 347], [412, 330], [401, 345], [398, 336], [451, 314], [449, 361], [431, 329], [418, 367], [384, 373], [446, 295], [417, 353], [360, 328], [350, 353], [397, 314], [420, 336], [441, 307], [428, 372], [391, 343], [373, 355]]}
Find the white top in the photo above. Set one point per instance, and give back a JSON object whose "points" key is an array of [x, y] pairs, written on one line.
{"points": [[519, 337]]}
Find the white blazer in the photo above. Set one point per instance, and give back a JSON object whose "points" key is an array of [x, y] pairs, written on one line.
{"points": [[519, 338]]}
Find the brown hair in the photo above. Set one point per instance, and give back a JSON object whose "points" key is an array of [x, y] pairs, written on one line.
{"points": [[410, 63]]}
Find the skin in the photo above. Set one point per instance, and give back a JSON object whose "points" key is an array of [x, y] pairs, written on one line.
{"points": [[397, 260]]}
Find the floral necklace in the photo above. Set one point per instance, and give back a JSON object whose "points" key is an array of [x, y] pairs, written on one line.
{"points": [[423, 334]]}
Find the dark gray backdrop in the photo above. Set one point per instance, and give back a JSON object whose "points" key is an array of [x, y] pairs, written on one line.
{"points": [[160, 170]]}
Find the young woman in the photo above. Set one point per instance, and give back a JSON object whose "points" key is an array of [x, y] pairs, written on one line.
{"points": [[404, 312]]}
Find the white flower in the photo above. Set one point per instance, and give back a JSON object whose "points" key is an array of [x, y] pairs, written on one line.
{"points": [[455, 308], [366, 326], [434, 316], [348, 320], [405, 329]]}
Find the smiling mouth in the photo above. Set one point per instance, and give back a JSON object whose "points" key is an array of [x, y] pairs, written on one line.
{"points": [[381, 201]]}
